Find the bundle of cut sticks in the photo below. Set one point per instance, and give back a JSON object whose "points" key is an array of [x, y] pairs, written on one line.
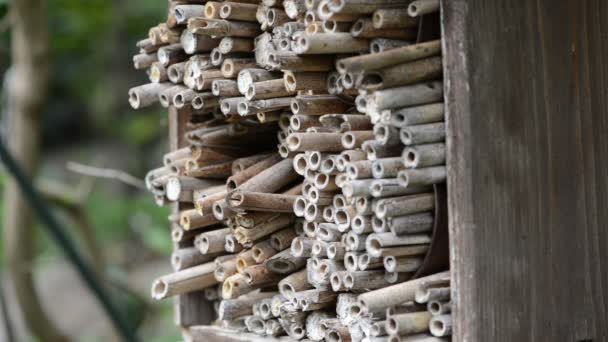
{"points": [[311, 134]]}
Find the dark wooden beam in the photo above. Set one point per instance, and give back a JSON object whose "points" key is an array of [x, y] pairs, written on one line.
{"points": [[527, 97]]}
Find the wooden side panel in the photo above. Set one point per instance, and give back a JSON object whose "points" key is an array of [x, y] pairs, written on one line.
{"points": [[192, 308], [526, 90]]}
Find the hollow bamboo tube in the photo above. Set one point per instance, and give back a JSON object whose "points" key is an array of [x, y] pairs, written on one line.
{"points": [[357, 187], [423, 134], [402, 264], [336, 250], [314, 27], [268, 90], [328, 232], [238, 179], [410, 250], [276, 17], [234, 286], [144, 61], [259, 276], [224, 268], [333, 26], [293, 283], [351, 261], [387, 167], [319, 249], [166, 96], [420, 156], [437, 307], [408, 323], [441, 325], [393, 18], [378, 45], [196, 44], [360, 280], [359, 170], [323, 142], [223, 28], [254, 107], [375, 150], [364, 205], [377, 241], [188, 257], [147, 94], [231, 245], [213, 241], [257, 201], [423, 176], [233, 44], [407, 96], [411, 224], [238, 11], [244, 259], [229, 105], [232, 66], [301, 122], [219, 170], [368, 262], [313, 213], [402, 74], [405, 205], [212, 10], [158, 73], [314, 299], [241, 164], [364, 28], [422, 7], [315, 81], [347, 122], [176, 72], [272, 179], [330, 43], [389, 58], [185, 281], [204, 205], [302, 247], [284, 262], [262, 251], [380, 299], [231, 309], [302, 63], [264, 229], [319, 104], [364, 6], [354, 139], [389, 187], [190, 219], [222, 212], [248, 76], [361, 224], [171, 54]]}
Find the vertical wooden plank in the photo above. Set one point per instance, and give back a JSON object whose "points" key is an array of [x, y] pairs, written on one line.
{"points": [[192, 308], [526, 87]]}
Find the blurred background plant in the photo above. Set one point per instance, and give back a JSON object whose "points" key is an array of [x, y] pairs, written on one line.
{"points": [[86, 119]]}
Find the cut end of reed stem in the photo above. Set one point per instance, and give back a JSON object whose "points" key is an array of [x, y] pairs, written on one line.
{"points": [[160, 289]]}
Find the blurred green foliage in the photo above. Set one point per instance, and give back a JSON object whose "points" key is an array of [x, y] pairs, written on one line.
{"points": [[92, 43]]}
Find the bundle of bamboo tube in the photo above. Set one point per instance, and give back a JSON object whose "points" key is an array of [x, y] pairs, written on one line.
{"points": [[301, 242]]}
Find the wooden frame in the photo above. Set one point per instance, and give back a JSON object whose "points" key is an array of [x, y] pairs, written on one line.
{"points": [[525, 88]]}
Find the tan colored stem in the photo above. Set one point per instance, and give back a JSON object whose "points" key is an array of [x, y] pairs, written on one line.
{"points": [[422, 7], [388, 58], [221, 27], [319, 104], [393, 18], [424, 155], [268, 90], [257, 201], [408, 323], [330, 43], [402, 74], [284, 263], [381, 299], [189, 280], [364, 28], [231, 309], [238, 11], [213, 241], [411, 224]]}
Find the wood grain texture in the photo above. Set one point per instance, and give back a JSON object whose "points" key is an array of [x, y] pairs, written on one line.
{"points": [[526, 86]]}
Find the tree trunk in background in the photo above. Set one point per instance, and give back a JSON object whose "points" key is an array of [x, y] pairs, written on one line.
{"points": [[27, 90]]}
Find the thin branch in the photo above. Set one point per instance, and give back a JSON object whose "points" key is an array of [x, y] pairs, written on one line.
{"points": [[93, 171]]}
